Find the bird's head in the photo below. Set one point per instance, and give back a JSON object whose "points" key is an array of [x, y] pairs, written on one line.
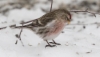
{"points": [[64, 15]]}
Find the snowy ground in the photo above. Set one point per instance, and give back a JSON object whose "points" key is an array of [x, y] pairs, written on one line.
{"points": [[76, 41]]}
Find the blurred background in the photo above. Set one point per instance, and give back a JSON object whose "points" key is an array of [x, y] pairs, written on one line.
{"points": [[7, 5]]}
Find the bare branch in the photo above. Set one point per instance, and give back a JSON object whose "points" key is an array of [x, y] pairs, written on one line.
{"points": [[6, 27], [2, 28], [19, 36], [85, 24], [51, 5], [21, 31], [14, 26], [94, 14], [99, 6]]}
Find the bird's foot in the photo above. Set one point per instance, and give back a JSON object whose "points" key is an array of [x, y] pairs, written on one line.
{"points": [[55, 43], [50, 45]]}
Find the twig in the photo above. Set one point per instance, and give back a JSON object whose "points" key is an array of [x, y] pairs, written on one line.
{"points": [[85, 24], [19, 36], [2, 28], [94, 14], [17, 26], [99, 6], [51, 5], [6, 27], [21, 31]]}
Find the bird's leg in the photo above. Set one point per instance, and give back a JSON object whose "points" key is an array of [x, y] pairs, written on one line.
{"points": [[54, 42], [49, 44]]}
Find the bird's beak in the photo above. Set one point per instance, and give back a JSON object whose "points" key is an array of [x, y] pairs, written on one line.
{"points": [[68, 22]]}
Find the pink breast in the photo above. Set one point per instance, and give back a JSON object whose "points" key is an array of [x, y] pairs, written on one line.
{"points": [[58, 27]]}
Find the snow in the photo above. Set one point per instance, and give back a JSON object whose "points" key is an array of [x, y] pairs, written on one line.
{"points": [[18, 15], [76, 41]]}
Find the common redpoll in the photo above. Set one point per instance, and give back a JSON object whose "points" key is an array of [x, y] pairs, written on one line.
{"points": [[50, 25]]}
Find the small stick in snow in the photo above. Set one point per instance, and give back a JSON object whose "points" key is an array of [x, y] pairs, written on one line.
{"points": [[51, 5], [94, 14], [19, 36]]}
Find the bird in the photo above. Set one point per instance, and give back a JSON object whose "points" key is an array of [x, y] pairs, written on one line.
{"points": [[50, 25]]}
